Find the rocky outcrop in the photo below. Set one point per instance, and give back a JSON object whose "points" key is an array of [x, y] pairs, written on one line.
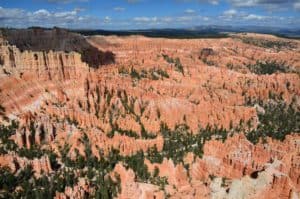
{"points": [[35, 130], [235, 169], [132, 189], [77, 192], [99, 141], [14, 163], [205, 52], [46, 65], [45, 40]]}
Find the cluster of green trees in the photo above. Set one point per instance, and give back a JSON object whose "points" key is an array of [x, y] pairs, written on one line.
{"points": [[2, 109], [97, 170], [2, 112], [1, 60], [28, 186], [280, 119], [168, 59], [208, 62], [120, 131], [25, 185], [35, 151], [278, 45], [136, 163], [94, 169], [176, 62], [153, 73], [128, 104], [160, 72], [5, 133], [269, 67], [178, 142], [72, 121], [108, 94], [88, 166]]}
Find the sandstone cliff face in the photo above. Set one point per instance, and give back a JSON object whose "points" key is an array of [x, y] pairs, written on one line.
{"points": [[46, 65], [121, 106], [39, 39]]}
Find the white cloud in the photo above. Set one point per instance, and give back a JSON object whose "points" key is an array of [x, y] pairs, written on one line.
{"points": [[66, 1], [167, 19], [170, 21], [244, 3], [184, 18], [119, 9], [297, 5], [213, 2], [20, 18], [255, 17], [228, 14], [133, 1], [42, 13], [66, 14], [107, 19], [206, 18], [234, 15], [7, 14], [190, 11], [145, 19], [272, 5]]}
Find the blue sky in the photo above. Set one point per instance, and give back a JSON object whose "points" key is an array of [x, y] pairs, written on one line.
{"points": [[140, 14]]}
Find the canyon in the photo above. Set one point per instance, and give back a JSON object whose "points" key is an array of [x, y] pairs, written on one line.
{"points": [[140, 117]]}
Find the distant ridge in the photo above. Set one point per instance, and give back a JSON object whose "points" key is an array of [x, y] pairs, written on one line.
{"points": [[212, 31]]}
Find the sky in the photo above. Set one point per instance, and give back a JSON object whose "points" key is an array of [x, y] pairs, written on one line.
{"points": [[145, 14]]}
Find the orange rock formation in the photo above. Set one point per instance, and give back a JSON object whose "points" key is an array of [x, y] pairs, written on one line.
{"points": [[62, 98]]}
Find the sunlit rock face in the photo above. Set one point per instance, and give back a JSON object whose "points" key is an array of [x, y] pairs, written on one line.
{"points": [[100, 94]]}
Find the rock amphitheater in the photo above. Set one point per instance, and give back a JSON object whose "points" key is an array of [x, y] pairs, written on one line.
{"points": [[146, 117]]}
